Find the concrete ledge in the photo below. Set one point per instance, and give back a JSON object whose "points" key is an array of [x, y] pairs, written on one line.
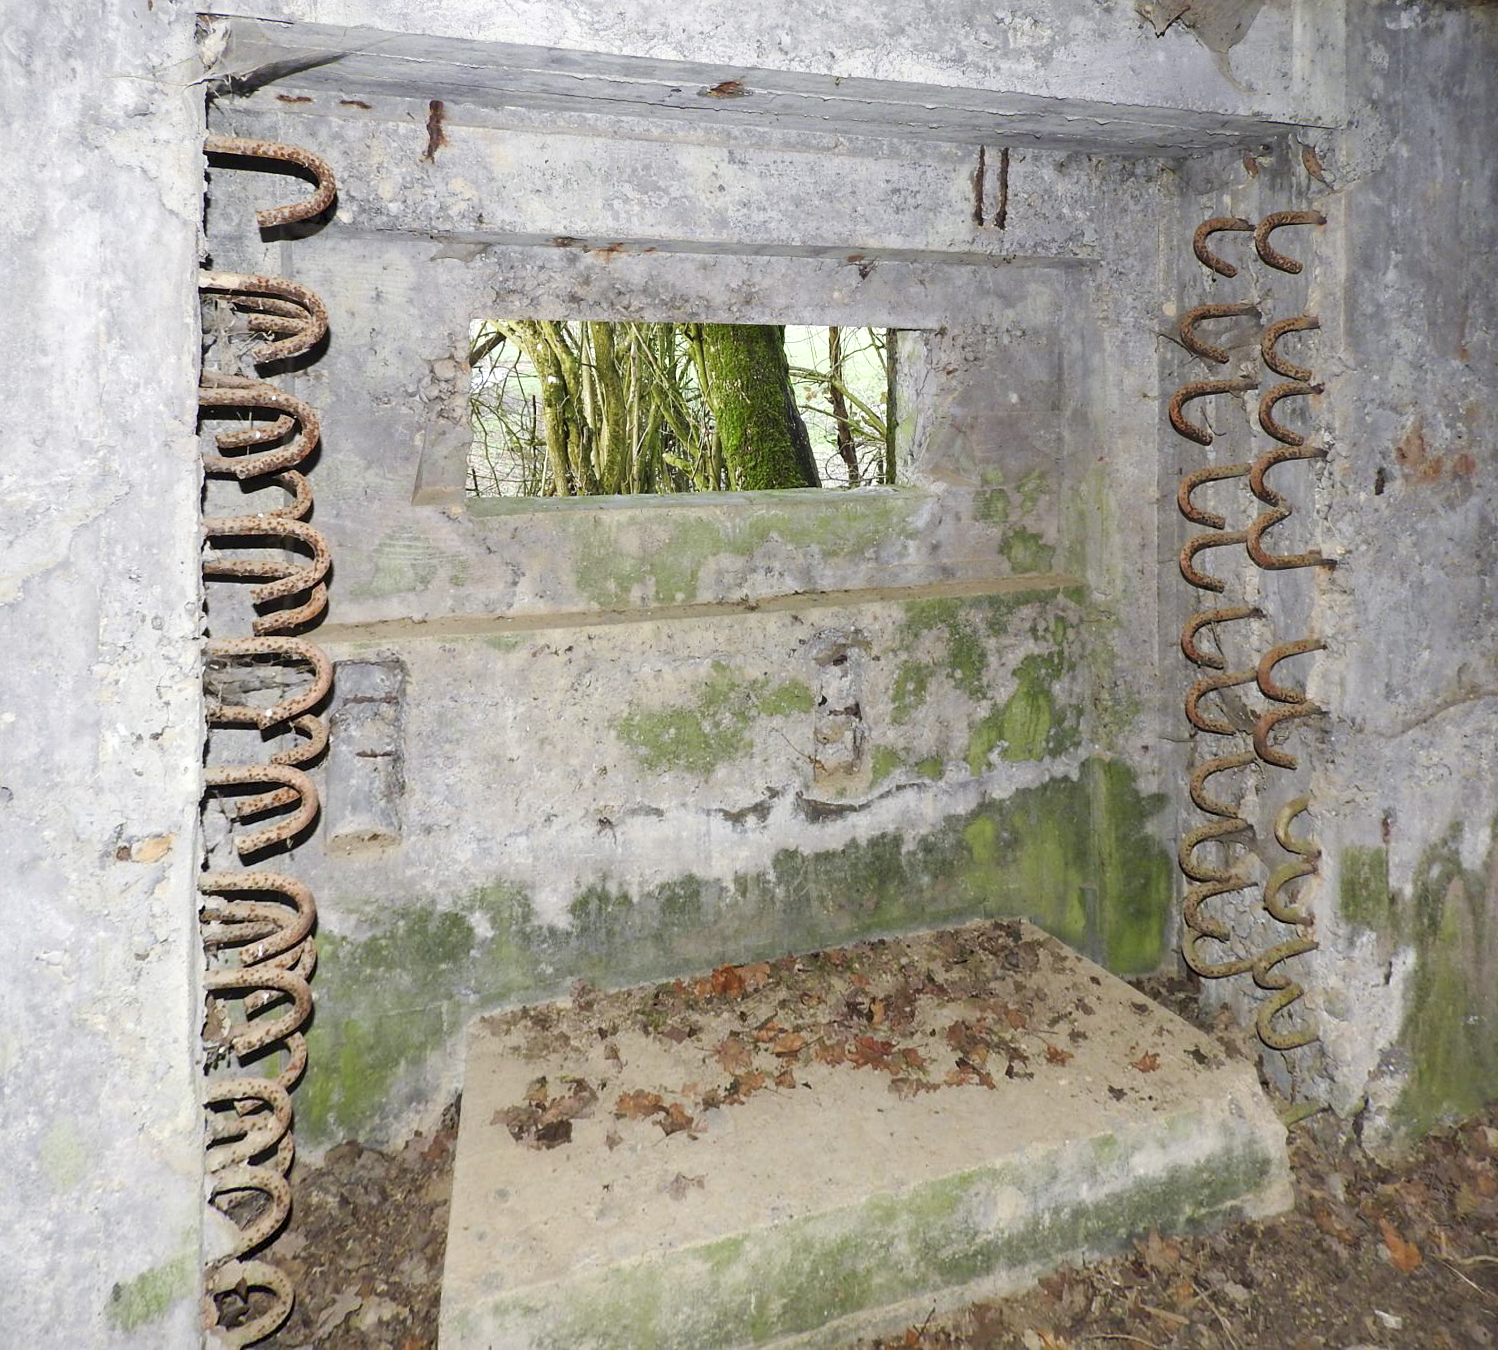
{"points": [[815, 1210]]}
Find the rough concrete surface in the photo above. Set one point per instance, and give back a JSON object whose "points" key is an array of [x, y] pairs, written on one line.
{"points": [[797, 1148], [100, 711]]}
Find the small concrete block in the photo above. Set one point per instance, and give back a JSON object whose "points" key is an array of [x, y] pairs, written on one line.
{"points": [[365, 681], [822, 1147]]}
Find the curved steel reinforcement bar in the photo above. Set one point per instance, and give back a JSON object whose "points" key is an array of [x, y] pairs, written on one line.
{"points": [[257, 926], [1277, 361], [1205, 231], [1203, 389], [1206, 350], [272, 216], [303, 323], [1277, 221]]}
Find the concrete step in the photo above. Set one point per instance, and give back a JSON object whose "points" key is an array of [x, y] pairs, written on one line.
{"points": [[826, 1146]]}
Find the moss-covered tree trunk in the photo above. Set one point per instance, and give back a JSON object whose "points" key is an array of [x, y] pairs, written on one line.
{"points": [[765, 444]]}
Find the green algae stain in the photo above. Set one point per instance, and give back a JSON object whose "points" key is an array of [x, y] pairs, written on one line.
{"points": [[150, 1295], [715, 728], [884, 761], [1363, 889], [931, 768], [617, 557], [1074, 855], [1027, 552], [1449, 1036], [402, 562], [1028, 725], [912, 681]]}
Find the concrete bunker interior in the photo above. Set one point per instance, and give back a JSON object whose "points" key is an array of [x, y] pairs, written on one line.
{"points": [[617, 740]]}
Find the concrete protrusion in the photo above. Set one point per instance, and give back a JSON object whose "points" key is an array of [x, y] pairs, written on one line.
{"points": [[366, 769]]}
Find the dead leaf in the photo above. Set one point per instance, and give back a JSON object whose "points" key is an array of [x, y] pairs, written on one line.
{"points": [[1147, 1062], [831, 1052], [742, 1087], [676, 1034], [906, 1088], [535, 1092], [1016, 1017], [768, 1030], [612, 1140], [725, 89], [727, 982], [876, 1012], [785, 1078], [1252, 165], [680, 1184], [1055, 1055], [1160, 1253], [755, 976], [1326, 1219], [788, 1043], [638, 1104], [1405, 1255], [676, 1119], [734, 1053], [913, 1058], [554, 1133], [869, 1053]]}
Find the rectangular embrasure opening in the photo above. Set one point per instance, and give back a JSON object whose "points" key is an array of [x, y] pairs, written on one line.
{"points": [[584, 408]]}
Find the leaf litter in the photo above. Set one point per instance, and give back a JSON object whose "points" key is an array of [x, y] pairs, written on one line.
{"points": [[1368, 1250]]}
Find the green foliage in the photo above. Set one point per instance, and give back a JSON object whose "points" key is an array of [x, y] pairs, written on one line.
{"points": [[582, 409]]}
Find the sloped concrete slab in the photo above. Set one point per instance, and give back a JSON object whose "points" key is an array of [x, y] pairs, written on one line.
{"points": [[805, 1150]]}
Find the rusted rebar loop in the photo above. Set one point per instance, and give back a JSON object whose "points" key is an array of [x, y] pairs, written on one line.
{"points": [[1206, 350], [1283, 989], [239, 1278], [1277, 361], [1203, 389], [303, 323], [218, 389], [1277, 221], [1205, 231], [290, 214], [257, 926], [1294, 704]]}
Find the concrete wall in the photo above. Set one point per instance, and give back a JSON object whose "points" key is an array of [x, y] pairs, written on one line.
{"points": [[1403, 988], [585, 739], [100, 710], [611, 754]]}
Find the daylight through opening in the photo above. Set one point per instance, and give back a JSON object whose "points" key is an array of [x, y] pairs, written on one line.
{"points": [[563, 408]]}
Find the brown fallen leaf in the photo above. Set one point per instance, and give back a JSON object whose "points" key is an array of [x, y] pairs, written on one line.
{"points": [[768, 1030], [725, 89], [680, 1184], [675, 1119], [535, 1091], [831, 1052], [1405, 1255], [913, 1058], [637, 1105], [734, 1053], [727, 982], [742, 1087], [676, 1034], [788, 1043], [755, 976], [1147, 1062], [554, 1133], [1054, 1054], [870, 1053], [1160, 1253], [1326, 1219], [906, 1088], [786, 1078]]}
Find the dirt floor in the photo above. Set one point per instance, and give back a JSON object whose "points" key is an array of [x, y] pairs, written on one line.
{"points": [[1370, 1256]]}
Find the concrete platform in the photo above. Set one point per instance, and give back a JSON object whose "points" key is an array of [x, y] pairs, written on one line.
{"points": [[819, 1147]]}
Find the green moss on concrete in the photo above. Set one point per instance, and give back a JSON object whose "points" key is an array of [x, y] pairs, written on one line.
{"points": [[619, 555], [1363, 887], [715, 728], [800, 1275], [1074, 855], [991, 506], [932, 767], [402, 562], [1029, 725], [146, 1297], [884, 761], [1448, 1036], [912, 681], [1026, 551]]}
